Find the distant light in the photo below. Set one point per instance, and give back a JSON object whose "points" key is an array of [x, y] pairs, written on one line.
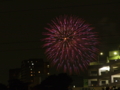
{"points": [[115, 67], [48, 66], [48, 73], [115, 53], [101, 53], [116, 80], [32, 63], [31, 75], [30, 68], [73, 86], [38, 71], [28, 61]]}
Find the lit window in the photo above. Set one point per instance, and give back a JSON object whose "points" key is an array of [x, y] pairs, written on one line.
{"points": [[48, 66], [116, 80], [31, 75], [32, 63], [48, 73], [105, 68], [38, 71], [30, 68], [31, 80], [73, 86]]}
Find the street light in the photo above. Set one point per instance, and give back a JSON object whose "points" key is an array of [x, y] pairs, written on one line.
{"points": [[115, 53], [100, 54]]}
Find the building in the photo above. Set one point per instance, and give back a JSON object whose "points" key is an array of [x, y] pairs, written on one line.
{"points": [[104, 74], [34, 71], [15, 73]]}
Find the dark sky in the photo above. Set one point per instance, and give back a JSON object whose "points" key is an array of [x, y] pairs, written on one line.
{"points": [[22, 23]]}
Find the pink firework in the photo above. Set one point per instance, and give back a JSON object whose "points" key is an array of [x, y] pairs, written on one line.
{"points": [[71, 44]]}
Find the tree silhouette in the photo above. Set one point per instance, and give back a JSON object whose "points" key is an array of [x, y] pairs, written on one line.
{"points": [[55, 82], [3, 87]]}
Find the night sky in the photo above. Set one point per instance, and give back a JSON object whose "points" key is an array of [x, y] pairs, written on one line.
{"points": [[22, 23]]}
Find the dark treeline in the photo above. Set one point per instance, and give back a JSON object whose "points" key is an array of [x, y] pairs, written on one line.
{"points": [[53, 82]]}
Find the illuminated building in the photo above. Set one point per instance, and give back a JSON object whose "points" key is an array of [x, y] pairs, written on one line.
{"points": [[34, 70], [103, 74]]}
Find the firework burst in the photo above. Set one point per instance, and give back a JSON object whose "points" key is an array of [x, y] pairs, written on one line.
{"points": [[71, 44]]}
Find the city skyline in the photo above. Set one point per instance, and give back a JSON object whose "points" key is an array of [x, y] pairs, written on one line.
{"points": [[22, 24]]}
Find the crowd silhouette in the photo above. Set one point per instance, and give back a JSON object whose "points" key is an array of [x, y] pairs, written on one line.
{"points": [[61, 81], [53, 82]]}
